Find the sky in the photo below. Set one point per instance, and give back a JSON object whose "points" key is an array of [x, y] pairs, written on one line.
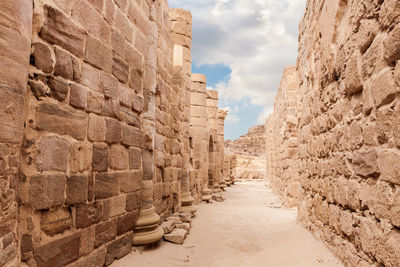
{"points": [[243, 46]]}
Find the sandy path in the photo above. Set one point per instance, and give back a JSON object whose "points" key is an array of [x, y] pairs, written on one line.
{"points": [[241, 231]]}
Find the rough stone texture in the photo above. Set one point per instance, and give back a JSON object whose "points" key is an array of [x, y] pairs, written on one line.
{"points": [[250, 152], [177, 236], [282, 142], [94, 102], [340, 140]]}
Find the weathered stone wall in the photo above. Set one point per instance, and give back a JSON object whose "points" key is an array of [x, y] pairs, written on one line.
{"points": [[282, 148], [15, 42], [95, 126], [348, 141]]}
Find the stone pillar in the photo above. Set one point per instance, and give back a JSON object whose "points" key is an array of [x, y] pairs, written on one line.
{"points": [[15, 44], [218, 183], [233, 164], [181, 34], [147, 230], [199, 132], [212, 125]]}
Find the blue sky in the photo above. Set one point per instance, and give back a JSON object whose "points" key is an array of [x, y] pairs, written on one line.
{"points": [[243, 46]]}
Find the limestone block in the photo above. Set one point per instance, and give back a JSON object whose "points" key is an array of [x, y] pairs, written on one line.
{"points": [[60, 30], [120, 69], [127, 222], [131, 136], [113, 131], [106, 185], [46, 191], [119, 248], [96, 128], [105, 232], [100, 157], [56, 222], [383, 87], [130, 181], [59, 88], [76, 189], [53, 154], [98, 54], [177, 236], [42, 57], [90, 78], [78, 96], [117, 205], [63, 67], [88, 214], [198, 99], [64, 251]]}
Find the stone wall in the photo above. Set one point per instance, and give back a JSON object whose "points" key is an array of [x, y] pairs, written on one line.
{"points": [[15, 42], [95, 126], [347, 123], [282, 144]]}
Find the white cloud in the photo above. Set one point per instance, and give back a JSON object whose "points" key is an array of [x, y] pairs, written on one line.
{"points": [[255, 38]]}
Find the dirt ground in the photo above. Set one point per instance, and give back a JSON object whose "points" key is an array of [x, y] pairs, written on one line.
{"points": [[248, 229]]}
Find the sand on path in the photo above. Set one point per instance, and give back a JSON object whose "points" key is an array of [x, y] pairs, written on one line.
{"points": [[248, 229]]}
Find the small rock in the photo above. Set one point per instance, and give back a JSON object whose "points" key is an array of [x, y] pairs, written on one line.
{"points": [[185, 226], [218, 198], [168, 226], [186, 217], [174, 219], [177, 236]]}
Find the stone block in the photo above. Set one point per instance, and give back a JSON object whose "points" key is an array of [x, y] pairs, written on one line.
{"points": [[96, 128], [135, 158], [131, 136], [56, 222], [46, 191], [388, 162], [198, 99], [90, 78], [113, 131], [118, 42], [127, 222], [130, 181], [11, 116], [78, 96], [42, 57], [365, 162], [109, 85], [119, 248], [117, 206], [106, 185], [177, 236], [63, 67], [59, 252], [87, 241], [100, 157], [77, 190], [61, 119], [137, 104], [53, 154], [94, 259], [120, 69], [98, 54], [118, 157], [391, 45], [80, 157], [126, 96], [123, 25], [105, 232], [60, 30], [133, 201], [168, 226], [383, 87], [88, 214], [86, 14], [59, 88], [95, 102]]}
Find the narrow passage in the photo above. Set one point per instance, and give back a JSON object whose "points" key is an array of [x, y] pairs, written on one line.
{"points": [[248, 229]]}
